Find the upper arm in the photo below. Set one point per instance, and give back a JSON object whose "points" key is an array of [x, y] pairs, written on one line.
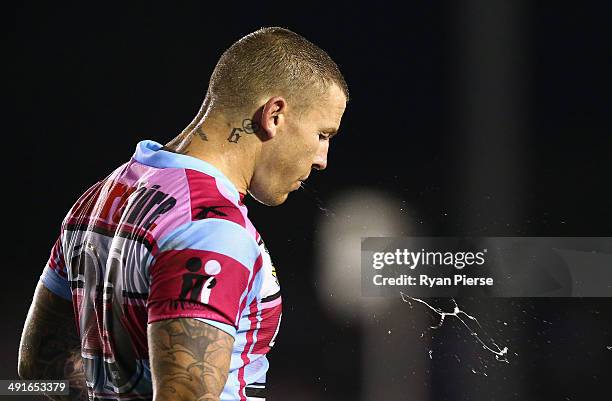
{"points": [[189, 359], [206, 271], [55, 274], [200, 284], [50, 319]]}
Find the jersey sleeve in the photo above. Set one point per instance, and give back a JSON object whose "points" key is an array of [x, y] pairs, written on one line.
{"points": [[205, 270], [54, 275]]}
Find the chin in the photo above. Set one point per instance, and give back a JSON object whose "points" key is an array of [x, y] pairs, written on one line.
{"points": [[269, 199]]}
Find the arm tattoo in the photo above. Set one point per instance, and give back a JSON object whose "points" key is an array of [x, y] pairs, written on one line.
{"points": [[248, 127], [189, 359], [50, 345]]}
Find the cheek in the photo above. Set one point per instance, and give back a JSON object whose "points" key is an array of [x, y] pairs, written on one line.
{"points": [[306, 156], [295, 157], [303, 153], [313, 147]]}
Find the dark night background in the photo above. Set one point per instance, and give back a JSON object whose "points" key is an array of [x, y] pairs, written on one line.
{"points": [[426, 125]]}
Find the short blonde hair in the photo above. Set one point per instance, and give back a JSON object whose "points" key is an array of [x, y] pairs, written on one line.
{"points": [[271, 61]]}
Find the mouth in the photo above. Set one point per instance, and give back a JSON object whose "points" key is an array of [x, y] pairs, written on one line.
{"points": [[299, 184]]}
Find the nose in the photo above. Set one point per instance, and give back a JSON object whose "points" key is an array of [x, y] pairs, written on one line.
{"points": [[320, 160]]}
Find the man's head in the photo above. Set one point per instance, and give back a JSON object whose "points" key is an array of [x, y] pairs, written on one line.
{"points": [[291, 95], [270, 62], [299, 141]]}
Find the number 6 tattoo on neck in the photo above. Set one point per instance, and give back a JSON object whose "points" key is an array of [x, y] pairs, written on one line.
{"points": [[248, 127]]}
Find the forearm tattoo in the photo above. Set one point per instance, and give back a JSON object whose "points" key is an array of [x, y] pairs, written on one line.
{"points": [[50, 346], [248, 127], [189, 359]]}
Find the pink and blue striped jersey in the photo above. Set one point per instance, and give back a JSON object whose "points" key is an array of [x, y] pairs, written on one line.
{"points": [[164, 236]]}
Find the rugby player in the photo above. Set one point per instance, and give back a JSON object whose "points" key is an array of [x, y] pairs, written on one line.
{"points": [[159, 287]]}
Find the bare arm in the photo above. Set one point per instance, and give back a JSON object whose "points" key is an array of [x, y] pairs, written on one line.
{"points": [[50, 347], [189, 359]]}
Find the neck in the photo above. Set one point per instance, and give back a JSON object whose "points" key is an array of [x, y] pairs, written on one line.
{"points": [[209, 141]]}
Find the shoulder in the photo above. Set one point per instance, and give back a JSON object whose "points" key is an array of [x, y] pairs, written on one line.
{"points": [[213, 235], [211, 200]]}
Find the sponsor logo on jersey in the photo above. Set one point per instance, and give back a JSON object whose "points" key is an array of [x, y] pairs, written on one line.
{"points": [[196, 287]]}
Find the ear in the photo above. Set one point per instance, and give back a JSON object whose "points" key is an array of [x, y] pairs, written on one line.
{"points": [[272, 116]]}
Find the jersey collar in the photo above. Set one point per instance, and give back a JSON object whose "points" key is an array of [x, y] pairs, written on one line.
{"points": [[151, 154]]}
